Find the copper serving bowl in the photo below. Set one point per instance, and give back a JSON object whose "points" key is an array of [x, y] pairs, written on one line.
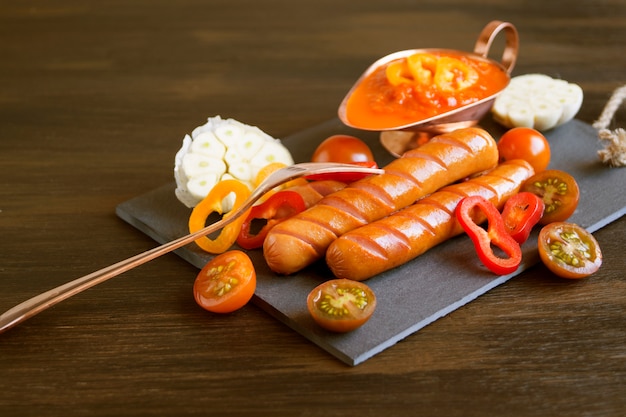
{"points": [[464, 116]]}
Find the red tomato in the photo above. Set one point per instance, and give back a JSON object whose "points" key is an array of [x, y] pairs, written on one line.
{"points": [[558, 190], [525, 143], [226, 283], [521, 213], [341, 305], [342, 148], [568, 250]]}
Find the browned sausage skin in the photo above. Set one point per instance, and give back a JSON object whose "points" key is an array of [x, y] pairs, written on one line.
{"points": [[303, 239], [402, 236], [314, 191]]}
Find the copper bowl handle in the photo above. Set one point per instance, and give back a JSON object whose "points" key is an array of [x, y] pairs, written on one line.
{"points": [[489, 33]]}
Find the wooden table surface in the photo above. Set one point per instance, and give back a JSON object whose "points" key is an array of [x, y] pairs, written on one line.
{"points": [[95, 98]]}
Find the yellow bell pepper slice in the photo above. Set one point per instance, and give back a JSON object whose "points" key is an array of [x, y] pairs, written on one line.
{"points": [[423, 67], [398, 73], [269, 169], [445, 73], [213, 202], [454, 75]]}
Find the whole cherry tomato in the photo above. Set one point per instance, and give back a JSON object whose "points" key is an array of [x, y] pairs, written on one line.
{"points": [[568, 250], [226, 283], [525, 143], [343, 148], [559, 192], [341, 305]]}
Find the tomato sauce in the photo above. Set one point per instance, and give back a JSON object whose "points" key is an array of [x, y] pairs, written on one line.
{"points": [[379, 104]]}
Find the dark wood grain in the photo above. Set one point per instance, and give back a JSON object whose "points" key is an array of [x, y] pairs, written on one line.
{"points": [[94, 101]]}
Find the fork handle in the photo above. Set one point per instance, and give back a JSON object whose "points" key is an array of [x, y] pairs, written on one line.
{"points": [[43, 301]]}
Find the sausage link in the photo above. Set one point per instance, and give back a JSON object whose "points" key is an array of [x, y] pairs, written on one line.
{"points": [[314, 191], [406, 234], [303, 239]]}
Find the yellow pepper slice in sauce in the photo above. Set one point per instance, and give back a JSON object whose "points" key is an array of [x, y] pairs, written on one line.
{"points": [[420, 86], [445, 72]]}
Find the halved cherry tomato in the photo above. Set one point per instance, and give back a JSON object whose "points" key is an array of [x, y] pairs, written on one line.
{"points": [[568, 250], [558, 190], [226, 283], [276, 208], [525, 143], [495, 235], [341, 305], [521, 213], [213, 202], [343, 148], [345, 177]]}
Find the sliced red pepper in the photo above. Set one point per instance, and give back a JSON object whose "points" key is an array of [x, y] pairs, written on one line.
{"points": [[278, 207], [521, 213], [213, 203], [346, 177], [495, 235]]}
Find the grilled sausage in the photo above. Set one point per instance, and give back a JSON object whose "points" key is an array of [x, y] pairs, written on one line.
{"points": [[403, 236], [303, 239], [314, 191]]}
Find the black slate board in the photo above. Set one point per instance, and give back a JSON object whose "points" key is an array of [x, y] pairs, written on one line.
{"points": [[417, 293]]}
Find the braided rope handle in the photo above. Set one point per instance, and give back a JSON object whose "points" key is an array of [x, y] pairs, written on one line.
{"points": [[614, 152]]}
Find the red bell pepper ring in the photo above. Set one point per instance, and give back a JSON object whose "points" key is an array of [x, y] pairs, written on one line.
{"points": [[345, 177], [278, 207], [521, 213], [495, 235]]}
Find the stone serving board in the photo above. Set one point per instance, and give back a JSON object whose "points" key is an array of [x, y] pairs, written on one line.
{"points": [[417, 293]]}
